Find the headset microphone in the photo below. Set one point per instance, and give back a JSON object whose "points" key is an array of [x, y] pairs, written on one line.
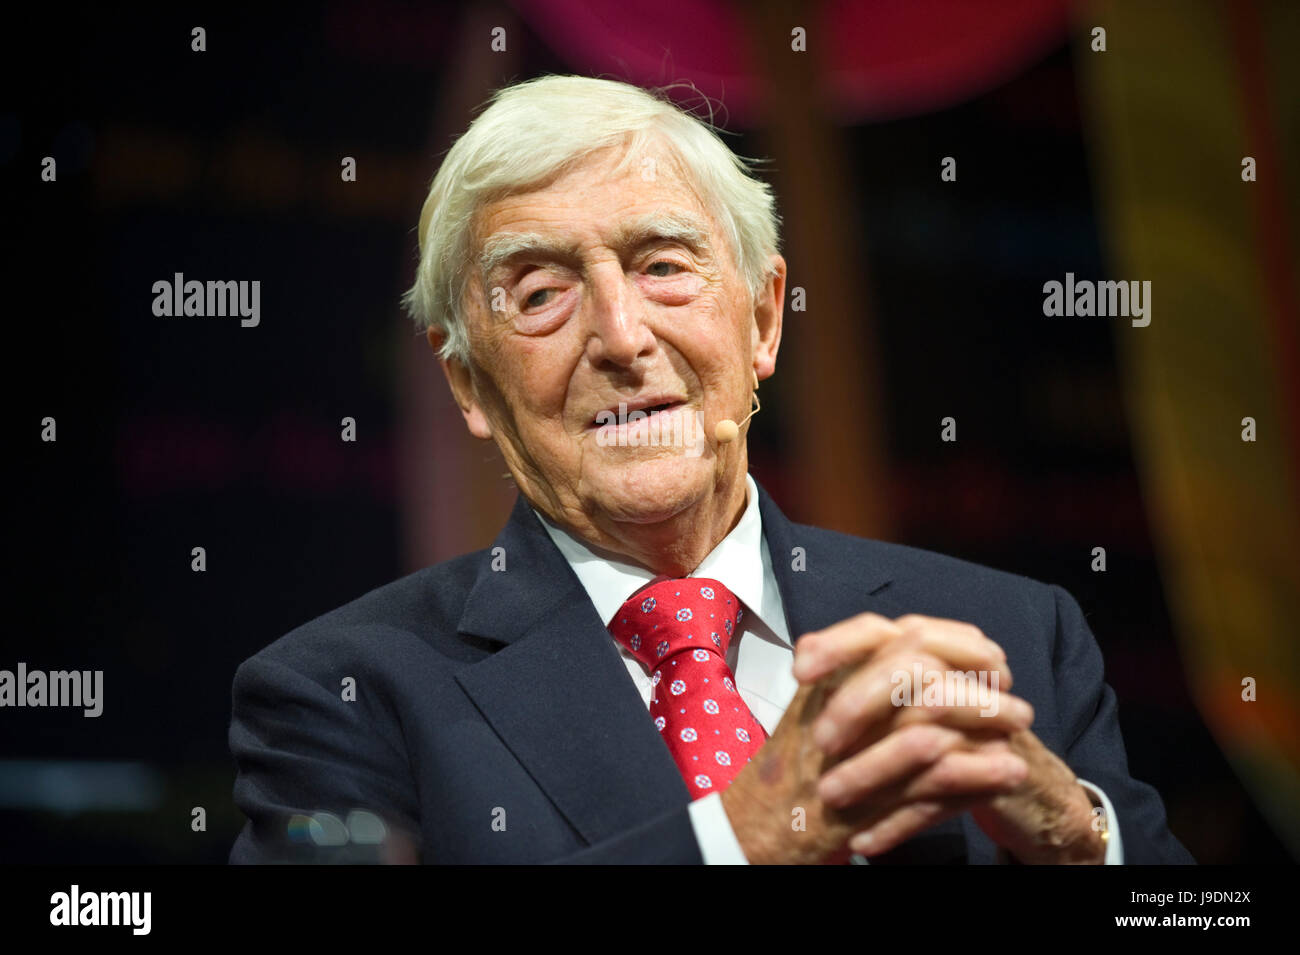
{"points": [[726, 430]]}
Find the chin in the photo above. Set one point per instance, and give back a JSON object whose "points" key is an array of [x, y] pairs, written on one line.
{"points": [[651, 490]]}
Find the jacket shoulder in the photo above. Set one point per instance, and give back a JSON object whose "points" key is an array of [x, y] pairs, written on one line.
{"points": [[420, 609], [939, 585], [905, 563]]}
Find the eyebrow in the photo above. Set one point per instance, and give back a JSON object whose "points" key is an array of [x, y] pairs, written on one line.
{"points": [[679, 227]]}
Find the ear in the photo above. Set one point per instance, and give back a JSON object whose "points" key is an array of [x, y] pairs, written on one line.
{"points": [[769, 307], [461, 381]]}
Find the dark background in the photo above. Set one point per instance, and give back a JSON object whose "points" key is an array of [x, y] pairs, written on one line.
{"points": [[177, 433]]}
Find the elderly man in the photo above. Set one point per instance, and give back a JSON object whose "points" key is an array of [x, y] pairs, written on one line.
{"points": [[652, 664]]}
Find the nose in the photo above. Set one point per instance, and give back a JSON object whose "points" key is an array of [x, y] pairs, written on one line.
{"points": [[617, 333]]}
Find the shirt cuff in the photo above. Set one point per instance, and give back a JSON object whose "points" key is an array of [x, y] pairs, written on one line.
{"points": [[1114, 846], [713, 832]]}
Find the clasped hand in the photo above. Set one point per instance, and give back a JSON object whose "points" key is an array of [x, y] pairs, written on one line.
{"points": [[898, 725]]}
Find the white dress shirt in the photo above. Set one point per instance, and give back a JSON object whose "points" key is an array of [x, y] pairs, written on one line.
{"points": [[760, 654]]}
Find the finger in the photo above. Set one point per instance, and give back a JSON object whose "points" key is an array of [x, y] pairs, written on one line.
{"points": [[852, 641], [958, 780], [971, 708], [875, 692], [905, 822], [889, 762], [822, 652], [960, 773], [962, 643]]}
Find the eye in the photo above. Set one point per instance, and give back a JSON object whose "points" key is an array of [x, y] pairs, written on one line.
{"points": [[665, 262], [533, 302]]}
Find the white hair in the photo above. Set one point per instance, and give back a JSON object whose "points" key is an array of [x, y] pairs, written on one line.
{"points": [[536, 130]]}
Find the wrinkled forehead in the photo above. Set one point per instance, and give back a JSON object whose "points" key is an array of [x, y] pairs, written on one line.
{"points": [[654, 170]]}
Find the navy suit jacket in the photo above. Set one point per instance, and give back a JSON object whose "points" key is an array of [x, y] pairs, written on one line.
{"points": [[495, 721]]}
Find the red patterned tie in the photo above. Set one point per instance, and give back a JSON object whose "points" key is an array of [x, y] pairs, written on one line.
{"points": [[679, 629]]}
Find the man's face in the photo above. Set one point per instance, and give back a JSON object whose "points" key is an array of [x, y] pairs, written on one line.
{"points": [[608, 289]]}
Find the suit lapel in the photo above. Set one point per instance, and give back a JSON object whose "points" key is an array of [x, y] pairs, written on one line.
{"points": [[558, 693], [823, 577]]}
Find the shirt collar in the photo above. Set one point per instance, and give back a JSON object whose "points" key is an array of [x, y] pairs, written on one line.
{"points": [[737, 562]]}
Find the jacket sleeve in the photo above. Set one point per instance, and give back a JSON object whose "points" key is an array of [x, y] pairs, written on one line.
{"points": [[666, 840], [316, 779], [1094, 746], [316, 771]]}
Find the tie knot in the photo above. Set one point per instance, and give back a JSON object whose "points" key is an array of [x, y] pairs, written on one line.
{"points": [[675, 615]]}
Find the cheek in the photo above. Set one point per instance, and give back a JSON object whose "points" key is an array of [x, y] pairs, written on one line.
{"points": [[537, 376], [712, 338]]}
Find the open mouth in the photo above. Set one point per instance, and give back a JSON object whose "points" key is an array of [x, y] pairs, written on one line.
{"points": [[619, 415], [655, 409]]}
